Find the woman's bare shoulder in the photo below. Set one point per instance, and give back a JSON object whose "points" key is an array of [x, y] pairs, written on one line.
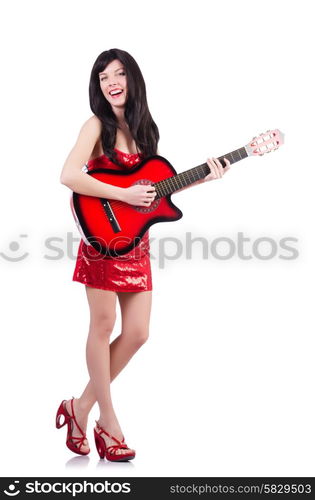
{"points": [[93, 124]]}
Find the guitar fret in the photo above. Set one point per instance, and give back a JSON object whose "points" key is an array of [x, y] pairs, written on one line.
{"points": [[168, 186], [244, 152], [234, 156], [162, 187], [180, 179], [171, 181], [176, 182], [188, 177], [183, 179]]}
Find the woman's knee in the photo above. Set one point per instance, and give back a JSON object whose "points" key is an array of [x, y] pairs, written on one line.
{"points": [[102, 325], [137, 336]]}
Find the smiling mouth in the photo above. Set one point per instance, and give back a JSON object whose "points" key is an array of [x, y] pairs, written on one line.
{"points": [[116, 93]]}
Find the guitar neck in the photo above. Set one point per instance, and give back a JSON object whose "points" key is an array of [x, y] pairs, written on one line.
{"points": [[183, 179]]}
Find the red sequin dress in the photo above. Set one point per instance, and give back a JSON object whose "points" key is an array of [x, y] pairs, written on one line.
{"points": [[126, 273]]}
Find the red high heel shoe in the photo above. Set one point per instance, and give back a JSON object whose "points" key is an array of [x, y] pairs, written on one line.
{"points": [[110, 451], [74, 443]]}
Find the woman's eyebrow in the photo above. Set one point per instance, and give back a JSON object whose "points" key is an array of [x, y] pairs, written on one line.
{"points": [[104, 73]]}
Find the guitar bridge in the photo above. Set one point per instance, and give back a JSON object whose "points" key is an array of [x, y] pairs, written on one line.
{"points": [[110, 215]]}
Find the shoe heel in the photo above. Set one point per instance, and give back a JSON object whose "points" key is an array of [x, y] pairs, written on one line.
{"points": [[61, 413], [99, 443]]}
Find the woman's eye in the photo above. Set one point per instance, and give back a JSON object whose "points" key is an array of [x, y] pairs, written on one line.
{"points": [[104, 77]]}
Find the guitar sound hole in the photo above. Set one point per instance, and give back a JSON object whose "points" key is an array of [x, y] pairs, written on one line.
{"points": [[154, 204]]}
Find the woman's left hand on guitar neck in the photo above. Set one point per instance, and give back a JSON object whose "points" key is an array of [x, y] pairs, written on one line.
{"points": [[217, 171]]}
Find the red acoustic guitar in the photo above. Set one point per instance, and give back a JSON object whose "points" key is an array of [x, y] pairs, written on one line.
{"points": [[114, 227]]}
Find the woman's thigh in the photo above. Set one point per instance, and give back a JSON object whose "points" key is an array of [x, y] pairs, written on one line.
{"points": [[135, 314], [102, 304]]}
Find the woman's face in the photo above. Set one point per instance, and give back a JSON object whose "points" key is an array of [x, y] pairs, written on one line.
{"points": [[113, 79]]}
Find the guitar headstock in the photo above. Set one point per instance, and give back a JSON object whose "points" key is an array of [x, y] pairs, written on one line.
{"points": [[265, 143]]}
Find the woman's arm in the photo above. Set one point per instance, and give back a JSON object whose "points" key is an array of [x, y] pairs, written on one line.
{"points": [[72, 175]]}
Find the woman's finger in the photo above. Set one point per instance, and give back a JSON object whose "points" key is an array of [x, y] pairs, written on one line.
{"points": [[212, 174], [227, 163], [216, 168], [213, 169], [219, 166]]}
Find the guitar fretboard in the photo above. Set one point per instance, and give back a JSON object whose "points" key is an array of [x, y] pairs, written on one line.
{"points": [[183, 179]]}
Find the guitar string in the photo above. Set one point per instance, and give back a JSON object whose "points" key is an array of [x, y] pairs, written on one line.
{"points": [[169, 183], [119, 205], [166, 186]]}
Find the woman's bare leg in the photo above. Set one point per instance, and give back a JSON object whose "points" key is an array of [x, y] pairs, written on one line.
{"points": [[102, 305], [135, 312], [135, 318]]}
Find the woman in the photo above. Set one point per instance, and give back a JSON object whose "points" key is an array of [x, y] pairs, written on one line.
{"points": [[120, 133]]}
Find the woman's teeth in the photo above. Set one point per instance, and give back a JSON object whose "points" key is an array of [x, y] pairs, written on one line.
{"points": [[116, 93]]}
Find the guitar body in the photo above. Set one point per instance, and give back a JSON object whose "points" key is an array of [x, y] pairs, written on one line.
{"points": [[113, 227]]}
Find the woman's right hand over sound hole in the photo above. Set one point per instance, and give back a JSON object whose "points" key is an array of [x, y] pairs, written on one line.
{"points": [[139, 195]]}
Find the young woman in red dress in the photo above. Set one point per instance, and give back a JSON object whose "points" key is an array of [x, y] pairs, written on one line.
{"points": [[119, 134]]}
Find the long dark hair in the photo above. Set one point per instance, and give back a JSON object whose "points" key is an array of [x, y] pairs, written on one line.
{"points": [[137, 115]]}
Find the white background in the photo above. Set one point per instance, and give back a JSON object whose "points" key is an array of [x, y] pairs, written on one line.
{"points": [[224, 386]]}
